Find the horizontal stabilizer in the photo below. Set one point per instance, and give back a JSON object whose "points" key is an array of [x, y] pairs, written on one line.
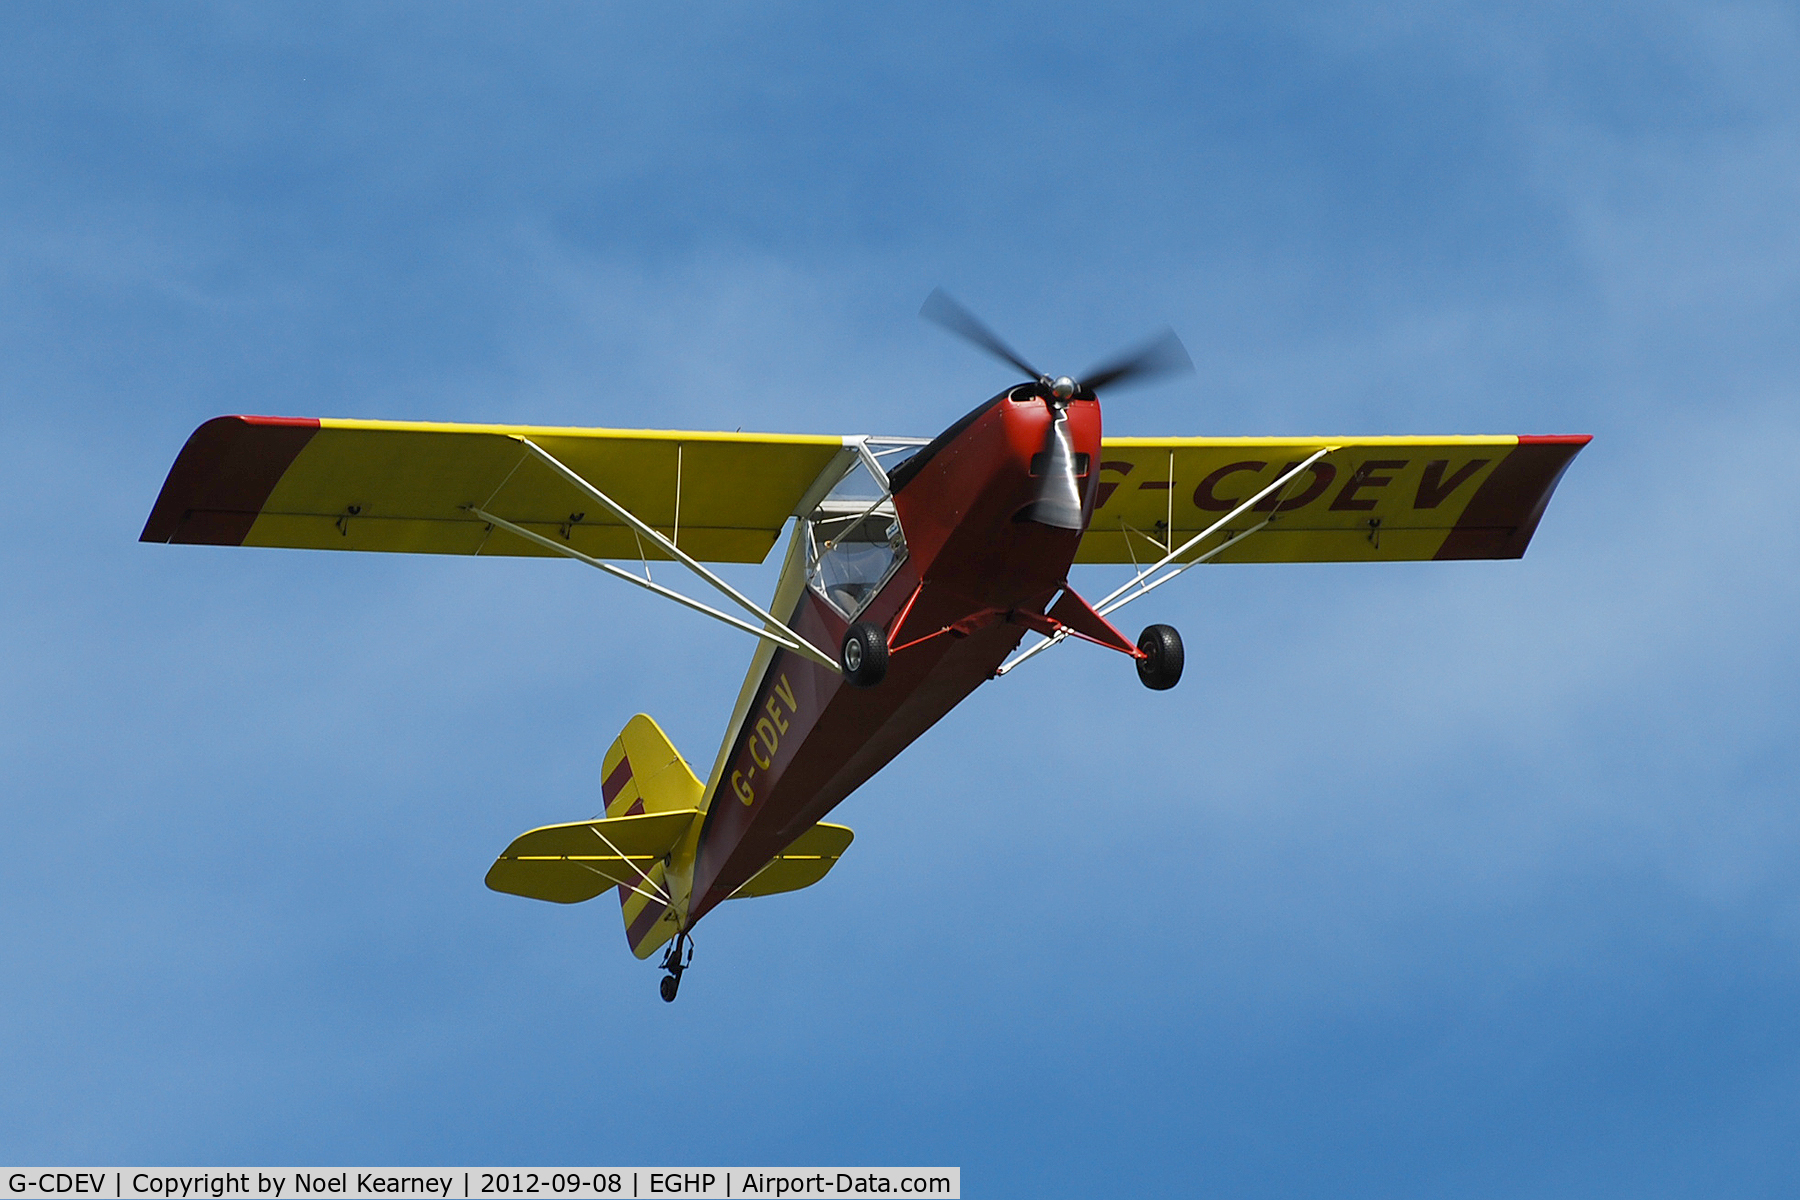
{"points": [[805, 862], [571, 863]]}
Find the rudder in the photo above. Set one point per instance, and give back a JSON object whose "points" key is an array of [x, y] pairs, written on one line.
{"points": [[642, 772]]}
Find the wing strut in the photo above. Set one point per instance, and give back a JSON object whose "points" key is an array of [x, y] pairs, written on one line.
{"points": [[870, 461], [1144, 584], [773, 630], [660, 895]]}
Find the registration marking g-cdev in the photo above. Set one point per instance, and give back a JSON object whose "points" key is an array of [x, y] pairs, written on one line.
{"points": [[764, 738]]}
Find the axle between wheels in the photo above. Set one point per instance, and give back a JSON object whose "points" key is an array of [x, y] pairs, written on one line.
{"points": [[864, 656]]}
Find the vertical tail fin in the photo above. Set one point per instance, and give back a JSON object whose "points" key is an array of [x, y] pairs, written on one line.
{"points": [[644, 773]]}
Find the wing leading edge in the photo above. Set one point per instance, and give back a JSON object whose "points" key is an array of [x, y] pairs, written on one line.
{"points": [[403, 486], [1370, 499]]}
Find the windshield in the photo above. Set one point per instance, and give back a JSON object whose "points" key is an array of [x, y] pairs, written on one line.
{"points": [[850, 555]]}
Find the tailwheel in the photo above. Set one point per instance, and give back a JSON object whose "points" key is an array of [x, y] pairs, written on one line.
{"points": [[1160, 668], [864, 655], [676, 960]]}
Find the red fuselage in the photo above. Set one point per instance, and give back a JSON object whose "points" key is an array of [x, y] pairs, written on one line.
{"points": [[952, 611]]}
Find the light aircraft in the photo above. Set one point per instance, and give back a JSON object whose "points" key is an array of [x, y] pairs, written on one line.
{"points": [[913, 570]]}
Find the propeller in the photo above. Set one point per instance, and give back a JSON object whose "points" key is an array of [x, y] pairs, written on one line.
{"points": [[1058, 501], [940, 309], [1163, 354]]}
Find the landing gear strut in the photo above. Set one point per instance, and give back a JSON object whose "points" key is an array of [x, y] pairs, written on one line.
{"points": [[675, 961]]}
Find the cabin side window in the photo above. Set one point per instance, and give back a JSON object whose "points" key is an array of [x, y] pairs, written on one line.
{"points": [[850, 554]]}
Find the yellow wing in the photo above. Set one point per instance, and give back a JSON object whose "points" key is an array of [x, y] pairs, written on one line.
{"points": [[1370, 499], [403, 485]]}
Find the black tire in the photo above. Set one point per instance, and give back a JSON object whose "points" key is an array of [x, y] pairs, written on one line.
{"points": [[1160, 668], [864, 655], [670, 984]]}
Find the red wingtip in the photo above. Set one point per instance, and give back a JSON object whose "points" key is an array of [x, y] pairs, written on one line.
{"points": [[1505, 510], [223, 476]]}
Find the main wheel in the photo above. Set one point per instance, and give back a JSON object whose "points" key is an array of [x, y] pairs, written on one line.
{"points": [[1160, 668], [864, 655], [670, 984]]}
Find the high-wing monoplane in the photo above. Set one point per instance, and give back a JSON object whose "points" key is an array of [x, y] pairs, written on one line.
{"points": [[914, 568]]}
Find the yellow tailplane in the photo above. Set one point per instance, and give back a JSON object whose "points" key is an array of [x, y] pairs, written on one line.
{"points": [[645, 844]]}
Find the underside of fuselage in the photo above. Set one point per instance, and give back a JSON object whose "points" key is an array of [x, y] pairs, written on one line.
{"points": [[972, 561]]}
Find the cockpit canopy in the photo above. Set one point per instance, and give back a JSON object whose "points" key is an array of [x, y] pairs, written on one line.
{"points": [[852, 549], [853, 539]]}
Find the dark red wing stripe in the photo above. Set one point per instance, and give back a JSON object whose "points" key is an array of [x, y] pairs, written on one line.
{"points": [[223, 477], [1504, 512]]}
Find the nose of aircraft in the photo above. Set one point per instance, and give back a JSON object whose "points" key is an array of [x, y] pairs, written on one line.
{"points": [[1058, 499]]}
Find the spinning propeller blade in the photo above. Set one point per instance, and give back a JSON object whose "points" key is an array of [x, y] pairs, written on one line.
{"points": [[940, 309], [1163, 354]]}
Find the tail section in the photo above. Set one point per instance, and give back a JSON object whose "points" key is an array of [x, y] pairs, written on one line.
{"points": [[645, 844], [643, 773], [805, 861], [567, 864]]}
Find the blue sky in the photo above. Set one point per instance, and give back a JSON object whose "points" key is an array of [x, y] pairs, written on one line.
{"points": [[1430, 879]]}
